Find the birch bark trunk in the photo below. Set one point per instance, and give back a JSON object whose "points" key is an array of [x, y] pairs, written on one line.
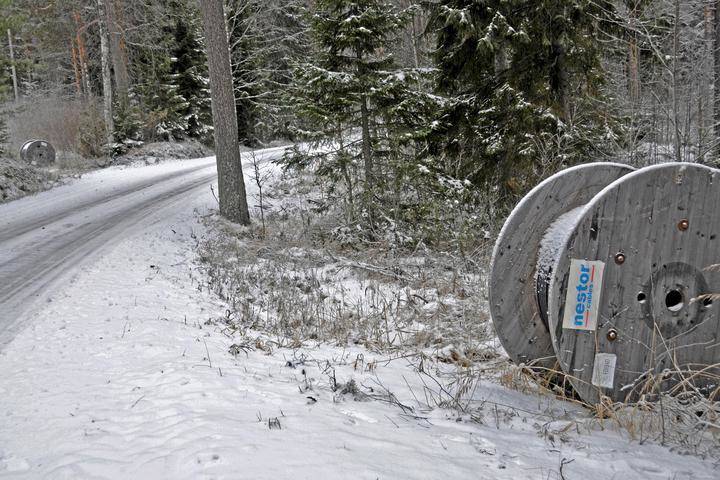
{"points": [[106, 74]]}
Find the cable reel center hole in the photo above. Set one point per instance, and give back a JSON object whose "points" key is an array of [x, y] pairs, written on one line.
{"points": [[674, 300]]}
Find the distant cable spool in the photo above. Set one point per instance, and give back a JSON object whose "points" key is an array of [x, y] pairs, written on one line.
{"points": [[38, 152], [607, 273]]}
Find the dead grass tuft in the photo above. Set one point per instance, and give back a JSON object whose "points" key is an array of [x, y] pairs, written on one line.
{"points": [[290, 279]]}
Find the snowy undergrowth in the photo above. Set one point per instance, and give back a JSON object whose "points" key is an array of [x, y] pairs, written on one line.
{"points": [[282, 285], [18, 179], [291, 283]]}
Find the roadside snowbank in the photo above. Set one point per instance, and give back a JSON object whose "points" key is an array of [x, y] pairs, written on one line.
{"points": [[155, 152], [18, 179]]}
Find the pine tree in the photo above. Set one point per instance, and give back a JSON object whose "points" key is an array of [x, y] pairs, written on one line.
{"points": [[522, 83], [231, 187]]}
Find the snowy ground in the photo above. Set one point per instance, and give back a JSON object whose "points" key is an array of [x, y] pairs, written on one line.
{"points": [[125, 372]]}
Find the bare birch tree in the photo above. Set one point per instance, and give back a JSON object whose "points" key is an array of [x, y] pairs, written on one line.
{"points": [[106, 74]]}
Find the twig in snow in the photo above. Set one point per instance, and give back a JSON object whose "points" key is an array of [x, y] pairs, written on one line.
{"points": [[260, 180], [136, 401], [370, 268], [564, 462], [393, 422], [208, 353]]}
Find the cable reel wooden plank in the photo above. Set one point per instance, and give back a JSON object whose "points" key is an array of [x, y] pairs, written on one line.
{"points": [[518, 311], [629, 311]]}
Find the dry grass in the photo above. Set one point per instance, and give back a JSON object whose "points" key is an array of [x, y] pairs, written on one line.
{"points": [[294, 283], [292, 279], [289, 288], [54, 119], [684, 418]]}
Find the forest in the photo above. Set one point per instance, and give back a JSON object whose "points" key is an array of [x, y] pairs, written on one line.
{"points": [[360, 239], [434, 116]]}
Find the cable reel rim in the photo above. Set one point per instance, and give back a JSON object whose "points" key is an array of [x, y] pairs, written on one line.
{"points": [[568, 344], [579, 183]]}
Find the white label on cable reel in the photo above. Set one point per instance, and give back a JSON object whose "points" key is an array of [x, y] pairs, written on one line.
{"points": [[582, 300], [604, 370]]}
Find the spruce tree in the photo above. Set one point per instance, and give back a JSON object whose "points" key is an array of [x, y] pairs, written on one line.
{"points": [[189, 76], [518, 76], [173, 90], [335, 94], [372, 115]]}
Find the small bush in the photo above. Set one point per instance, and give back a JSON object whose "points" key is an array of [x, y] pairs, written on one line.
{"points": [[92, 137], [295, 281]]}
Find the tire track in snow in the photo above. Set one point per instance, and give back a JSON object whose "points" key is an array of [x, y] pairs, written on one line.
{"points": [[51, 217], [45, 238], [38, 260]]}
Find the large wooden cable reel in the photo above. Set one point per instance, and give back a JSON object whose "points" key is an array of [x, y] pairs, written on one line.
{"points": [[628, 306], [38, 152], [520, 322], [656, 231]]}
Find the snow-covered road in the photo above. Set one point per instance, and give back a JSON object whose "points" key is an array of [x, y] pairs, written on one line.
{"points": [[43, 238]]}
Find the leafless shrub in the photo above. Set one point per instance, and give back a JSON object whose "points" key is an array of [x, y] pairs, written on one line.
{"points": [[686, 422], [291, 279], [59, 120]]}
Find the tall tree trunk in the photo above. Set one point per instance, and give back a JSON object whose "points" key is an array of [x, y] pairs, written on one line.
{"points": [[559, 81], [559, 74], [82, 54], [231, 185], [117, 53], [633, 58], [716, 92], [366, 142], [106, 74], [13, 72], [676, 84], [76, 67], [633, 69], [706, 75], [365, 129], [501, 63]]}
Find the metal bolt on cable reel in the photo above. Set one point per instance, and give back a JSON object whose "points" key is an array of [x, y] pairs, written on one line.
{"points": [[607, 272]]}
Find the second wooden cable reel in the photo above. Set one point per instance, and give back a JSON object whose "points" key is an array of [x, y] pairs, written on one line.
{"points": [[608, 272]]}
